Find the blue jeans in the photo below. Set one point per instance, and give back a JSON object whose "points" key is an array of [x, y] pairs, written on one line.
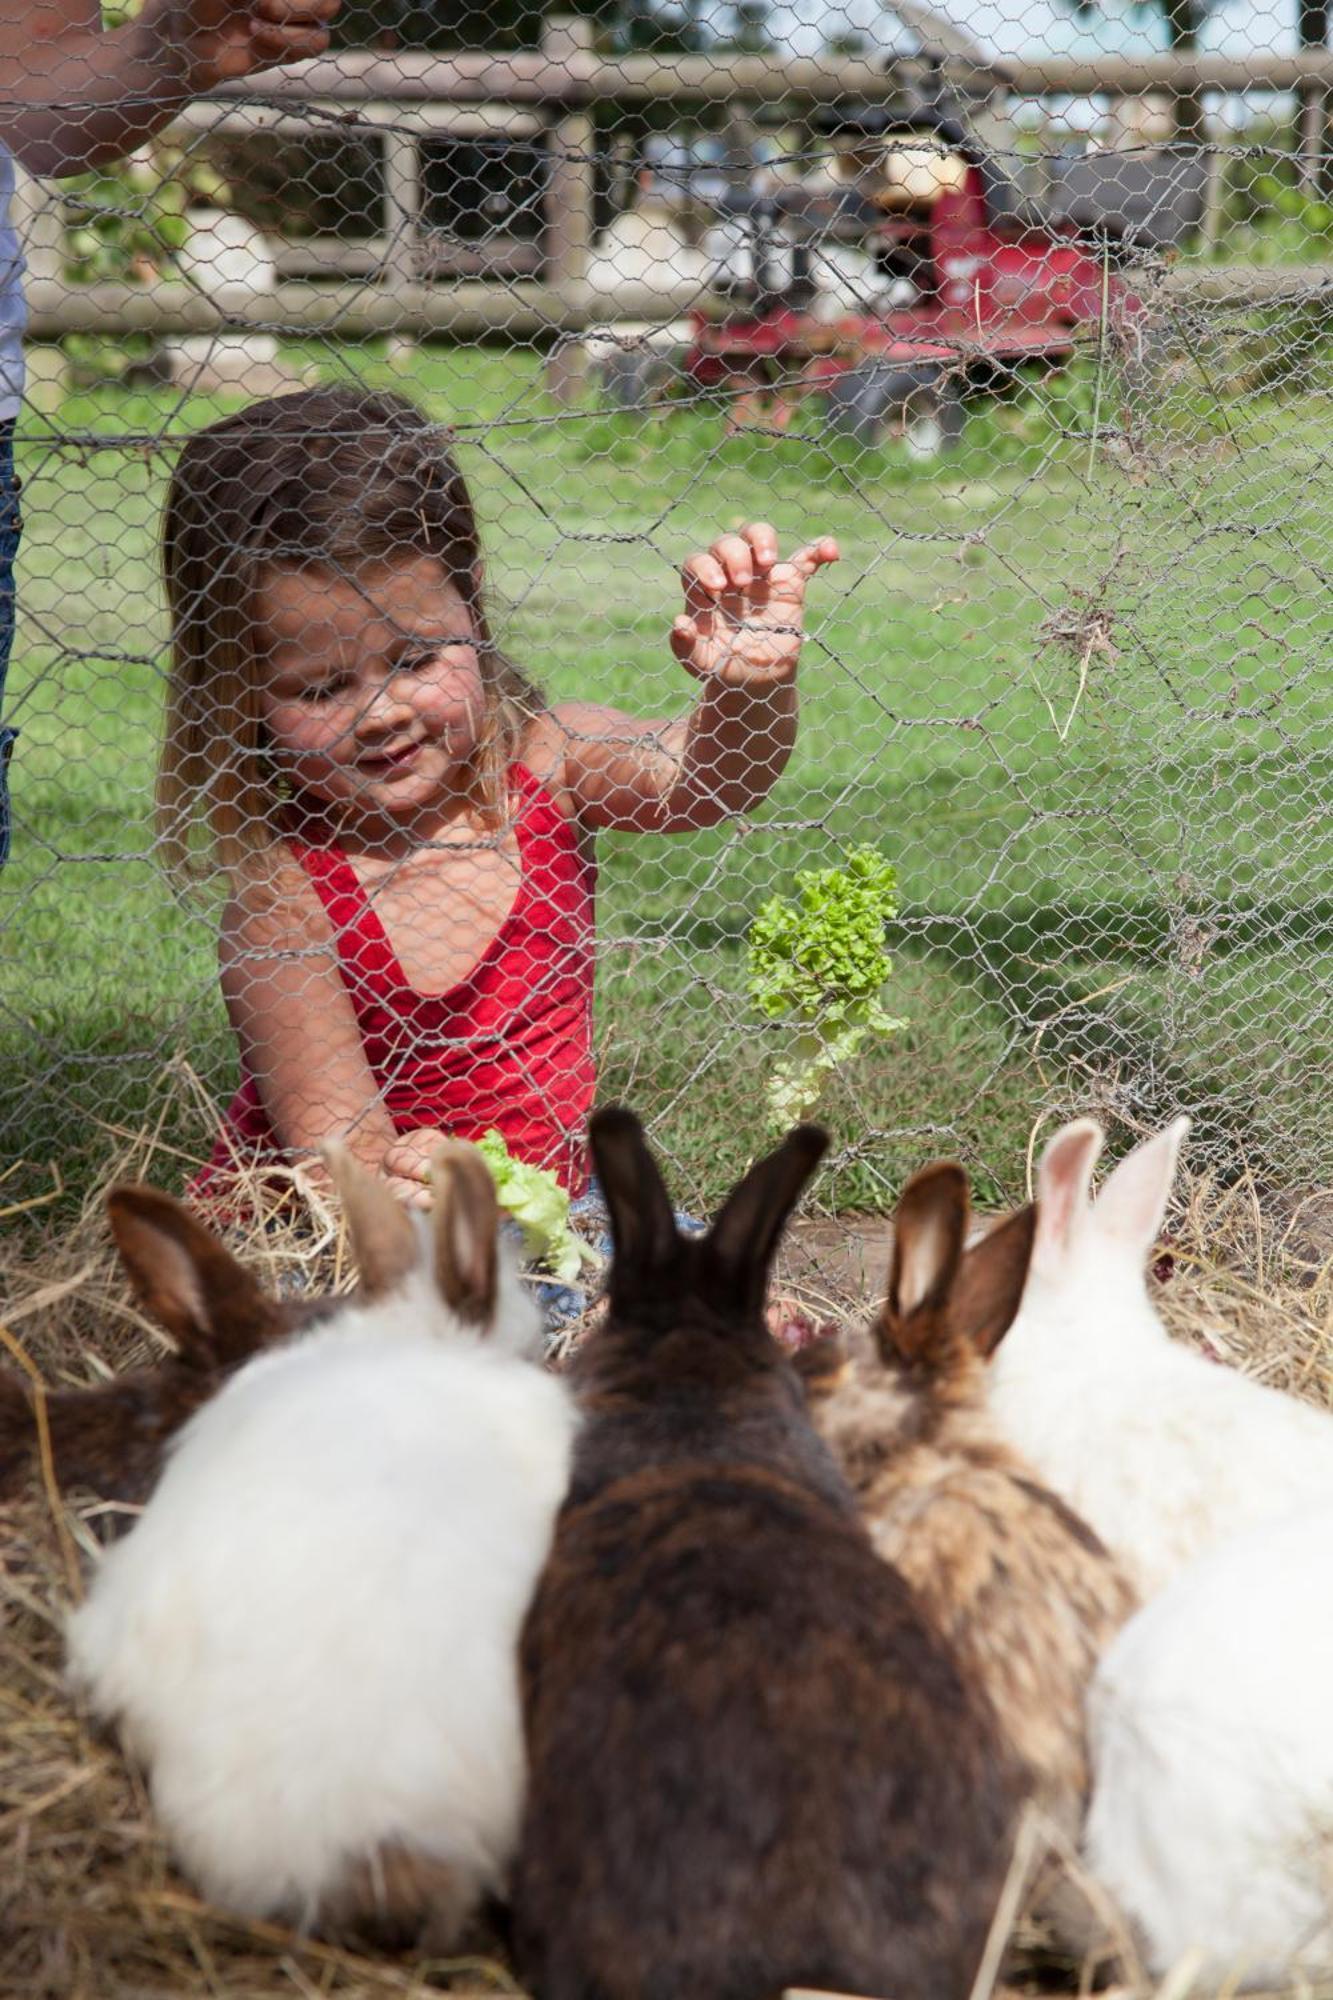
{"points": [[10, 525]]}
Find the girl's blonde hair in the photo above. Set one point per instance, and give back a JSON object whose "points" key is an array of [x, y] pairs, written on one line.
{"points": [[331, 478]]}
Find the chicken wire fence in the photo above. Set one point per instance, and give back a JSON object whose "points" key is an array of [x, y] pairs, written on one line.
{"points": [[1051, 363]]}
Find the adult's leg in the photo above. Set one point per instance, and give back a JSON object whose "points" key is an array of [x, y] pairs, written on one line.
{"points": [[9, 542]]}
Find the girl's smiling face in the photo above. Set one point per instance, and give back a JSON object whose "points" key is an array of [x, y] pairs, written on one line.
{"points": [[372, 691]]}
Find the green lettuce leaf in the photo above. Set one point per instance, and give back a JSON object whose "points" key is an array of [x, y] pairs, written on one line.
{"points": [[540, 1205]]}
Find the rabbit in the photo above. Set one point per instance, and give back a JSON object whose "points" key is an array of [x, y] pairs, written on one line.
{"points": [[1021, 1589], [753, 1763], [111, 1437], [309, 1638], [1211, 1820], [1161, 1450]]}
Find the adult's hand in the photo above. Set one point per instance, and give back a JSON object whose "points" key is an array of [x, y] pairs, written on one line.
{"points": [[217, 41], [72, 96]]}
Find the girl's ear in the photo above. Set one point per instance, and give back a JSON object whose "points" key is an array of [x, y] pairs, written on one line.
{"points": [[384, 1240], [643, 1228], [467, 1219], [185, 1280], [739, 1248], [1133, 1202], [1064, 1184]]}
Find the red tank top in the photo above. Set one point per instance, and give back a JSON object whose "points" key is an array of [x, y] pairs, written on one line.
{"points": [[509, 1047]]}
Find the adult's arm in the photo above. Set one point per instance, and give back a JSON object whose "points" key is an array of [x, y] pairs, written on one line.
{"points": [[73, 96]]}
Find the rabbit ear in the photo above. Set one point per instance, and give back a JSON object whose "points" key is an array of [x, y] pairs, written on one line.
{"points": [[384, 1238], [467, 1219], [1064, 1183], [740, 1246], [928, 1233], [987, 1292], [1131, 1205], [643, 1228], [185, 1280]]}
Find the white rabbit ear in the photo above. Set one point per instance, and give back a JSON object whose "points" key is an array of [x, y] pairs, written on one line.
{"points": [[1131, 1205], [1064, 1182], [384, 1239]]}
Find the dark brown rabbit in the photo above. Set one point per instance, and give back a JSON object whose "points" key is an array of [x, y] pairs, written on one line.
{"points": [[111, 1438], [753, 1764], [1019, 1586]]}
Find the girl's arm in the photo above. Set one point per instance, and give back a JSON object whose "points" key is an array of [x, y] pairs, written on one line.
{"points": [[740, 634], [297, 1030]]}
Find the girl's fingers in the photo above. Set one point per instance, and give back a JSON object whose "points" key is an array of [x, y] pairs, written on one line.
{"points": [[763, 541], [737, 559], [815, 555], [704, 578], [684, 640]]}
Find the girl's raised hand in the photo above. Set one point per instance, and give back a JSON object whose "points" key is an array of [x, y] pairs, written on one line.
{"points": [[745, 607]]}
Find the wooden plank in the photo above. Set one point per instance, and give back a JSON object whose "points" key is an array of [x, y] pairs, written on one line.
{"points": [[531, 77], [466, 310], [312, 117]]}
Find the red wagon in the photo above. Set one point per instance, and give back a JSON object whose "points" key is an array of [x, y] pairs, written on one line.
{"points": [[991, 280]]}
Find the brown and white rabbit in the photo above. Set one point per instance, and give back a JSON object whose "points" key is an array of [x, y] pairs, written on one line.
{"points": [[1016, 1582], [112, 1437], [753, 1762]]}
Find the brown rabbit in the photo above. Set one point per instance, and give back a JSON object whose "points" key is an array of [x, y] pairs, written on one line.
{"points": [[753, 1764], [111, 1438], [1018, 1585]]}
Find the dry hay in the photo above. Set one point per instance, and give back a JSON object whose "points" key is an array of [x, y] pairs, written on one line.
{"points": [[89, 1908]]}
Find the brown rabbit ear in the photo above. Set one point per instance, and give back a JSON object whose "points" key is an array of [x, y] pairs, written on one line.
{"points": [[743, 1240], [384, 1239], [988, 1290], [643, 1228], [928, 1233], [183, 1278], [467, 1218]]}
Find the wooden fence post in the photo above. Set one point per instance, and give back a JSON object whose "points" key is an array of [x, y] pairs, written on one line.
{"points": [[402, 203], [569, 197], [39, 217]]}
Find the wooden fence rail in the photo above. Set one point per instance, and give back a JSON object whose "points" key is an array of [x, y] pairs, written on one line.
{"points": [[546, 97]]}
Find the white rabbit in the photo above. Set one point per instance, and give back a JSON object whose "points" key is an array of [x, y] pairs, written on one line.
{"points": [[1161, 1450], [309, 1638], [1212, 1742]]}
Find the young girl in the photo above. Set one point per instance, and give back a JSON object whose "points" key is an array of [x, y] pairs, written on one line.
{"points": [[406, 827]]}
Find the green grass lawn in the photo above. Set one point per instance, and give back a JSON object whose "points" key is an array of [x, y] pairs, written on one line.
{"points": [[1081, 699]]}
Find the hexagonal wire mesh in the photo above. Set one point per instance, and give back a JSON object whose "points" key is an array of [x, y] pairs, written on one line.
{"points": [[1047, 350]]}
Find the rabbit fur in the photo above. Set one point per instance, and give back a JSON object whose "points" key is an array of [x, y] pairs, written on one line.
{"points": [[753, 1763], [1163, 1451], [309, 1639], [111, 1438], [1212, 1811], [1020, 1587]]}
